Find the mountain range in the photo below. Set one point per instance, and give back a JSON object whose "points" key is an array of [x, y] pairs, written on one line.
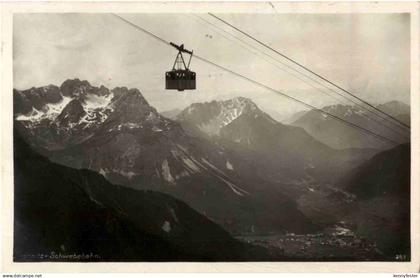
{"points": [[131, 144], [284, 155], [229, 161]]}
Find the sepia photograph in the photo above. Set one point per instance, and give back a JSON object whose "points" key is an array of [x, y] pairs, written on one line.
{"points": [[212, 136]]}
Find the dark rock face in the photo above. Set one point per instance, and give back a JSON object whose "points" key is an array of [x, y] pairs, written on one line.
{"points": [[37, 98], [63, 214], [75, 88], [71, 114]]}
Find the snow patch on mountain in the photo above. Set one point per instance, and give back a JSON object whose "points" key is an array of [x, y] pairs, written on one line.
{"points": [[95, 201], [128, 174], [126, 125], [102, 172], [33, 116], [49, 111], [97, 109], [156, 129], [54, 109], [173, 214], [348, 112], [230, 110], [166, 172], [229, 165], [182, 174], [344, 110], [190, 109], [360, 112], [93, 102], [166, 226], [309, 165], [340, 231]]}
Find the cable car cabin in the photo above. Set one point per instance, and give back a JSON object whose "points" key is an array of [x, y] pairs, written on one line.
{"points": [[180, 80], [180, 77]]}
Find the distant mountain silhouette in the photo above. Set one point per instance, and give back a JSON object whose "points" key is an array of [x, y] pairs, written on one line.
{"points": [[340, 136], [171, 114]]}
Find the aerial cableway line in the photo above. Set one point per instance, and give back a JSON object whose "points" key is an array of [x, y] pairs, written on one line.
{"points": [[309, 70], [362, 129], [178, 78], [382, 120]]}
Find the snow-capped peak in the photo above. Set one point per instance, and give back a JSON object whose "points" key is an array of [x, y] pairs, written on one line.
{"points": [[344, 110], [233, 108], [210, 117]]}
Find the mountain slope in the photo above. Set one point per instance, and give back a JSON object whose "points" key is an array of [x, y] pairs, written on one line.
{"points": [[386, 173], [61, 211], [280, 153], [382, 212]]}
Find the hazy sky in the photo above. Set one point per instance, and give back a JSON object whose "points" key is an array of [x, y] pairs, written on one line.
{"points": [[369, 54]]}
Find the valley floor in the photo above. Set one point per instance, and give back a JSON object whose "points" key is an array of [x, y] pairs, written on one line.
{"points": [[318, 247]]}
